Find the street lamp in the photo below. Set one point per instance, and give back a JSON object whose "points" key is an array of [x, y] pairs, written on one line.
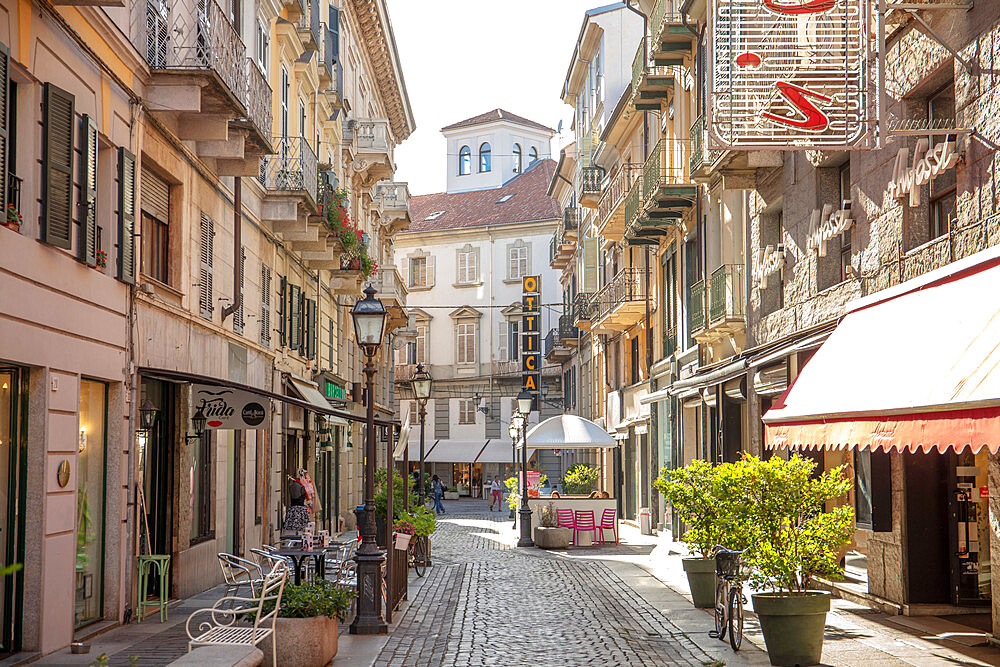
{"points": [[514, 430], [524, 401], [198, 421], [147, 415], [421, 385], [369, 326]]}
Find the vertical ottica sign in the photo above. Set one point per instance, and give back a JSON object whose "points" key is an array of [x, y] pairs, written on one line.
{"points": [[794, 74], [531, 357]]}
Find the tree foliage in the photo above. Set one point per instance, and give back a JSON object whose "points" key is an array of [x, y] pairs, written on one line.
{"points": [[580, 479]]}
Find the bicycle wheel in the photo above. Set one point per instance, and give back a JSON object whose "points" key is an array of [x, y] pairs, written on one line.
{"points": [[419, 562], [736, 617], [720, 609]]}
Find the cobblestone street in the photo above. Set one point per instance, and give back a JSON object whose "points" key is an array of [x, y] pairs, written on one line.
{"points": [[487, 603]]}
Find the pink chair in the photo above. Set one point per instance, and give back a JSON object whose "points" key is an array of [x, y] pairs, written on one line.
{"points": [[584, 523], [609, 521], [564, 519]]}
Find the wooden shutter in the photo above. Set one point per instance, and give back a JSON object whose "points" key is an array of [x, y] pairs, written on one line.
{"points": [[283, 313], [590, 262], [265, 305], [207, 255], [126, 216], [238, 321], [4, 121], [333, 25], [155, 196], [329, 343], [57, 167], [311, 329], [294, 316], [88, 194], [431, 272]]}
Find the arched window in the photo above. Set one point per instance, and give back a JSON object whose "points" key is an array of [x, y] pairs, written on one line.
{"points": [[517, 158], [485, 159], [532, 156], [465, 161]]}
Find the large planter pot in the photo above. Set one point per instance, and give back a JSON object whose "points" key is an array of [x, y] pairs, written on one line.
{"points": [[451, 495], [547, 537], [303, 642], [701, 581], [792, 626]]}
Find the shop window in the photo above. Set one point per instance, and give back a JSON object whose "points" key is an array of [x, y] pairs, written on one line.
{"points": [[943, 213], [201, 489], [834, 191], [91, 468], [872, 490]]}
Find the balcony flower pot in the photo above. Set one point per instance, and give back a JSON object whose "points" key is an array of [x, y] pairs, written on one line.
{"points": [[547, 537], [402, 541], [12, 224], [701, 580], [792, 625]]}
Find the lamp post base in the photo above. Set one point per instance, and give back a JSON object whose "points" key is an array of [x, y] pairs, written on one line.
{"points": [[370, 618], [525, 518]]}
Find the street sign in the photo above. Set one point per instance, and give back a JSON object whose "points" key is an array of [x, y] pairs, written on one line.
{"points": [[794, 75]]}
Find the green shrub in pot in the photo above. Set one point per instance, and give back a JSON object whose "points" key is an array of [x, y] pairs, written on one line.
{"points": [[306, 627]]}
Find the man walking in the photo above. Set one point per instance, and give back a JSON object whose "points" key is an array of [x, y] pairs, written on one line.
{"points": [[496, 490], [438, 488]]}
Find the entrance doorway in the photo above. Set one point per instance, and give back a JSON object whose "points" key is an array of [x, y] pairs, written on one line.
{"points": [[13, 462], [156, 476], [926, 528]]}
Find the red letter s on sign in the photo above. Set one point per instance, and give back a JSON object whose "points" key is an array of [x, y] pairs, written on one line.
{"points": [[814, 120], [808, 7]]}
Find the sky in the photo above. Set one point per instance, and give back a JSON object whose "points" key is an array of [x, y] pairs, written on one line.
{"points": [[526, 50]]}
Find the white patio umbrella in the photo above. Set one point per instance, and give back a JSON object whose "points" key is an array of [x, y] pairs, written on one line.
{"points": [[569, 432]]}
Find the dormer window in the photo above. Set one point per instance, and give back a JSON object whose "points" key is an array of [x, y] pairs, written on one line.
{"points": [[464, 161], [485, 158], [517, 158], [532, 156], [435, 215]]}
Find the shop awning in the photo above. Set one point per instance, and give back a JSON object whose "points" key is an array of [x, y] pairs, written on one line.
{"points": [[568, 432], [916, 370], [710, 377], [454, 451], [309, 391], [499, 451]]}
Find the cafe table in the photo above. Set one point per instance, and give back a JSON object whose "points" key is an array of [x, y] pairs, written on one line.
{"points": [[298, 556]]}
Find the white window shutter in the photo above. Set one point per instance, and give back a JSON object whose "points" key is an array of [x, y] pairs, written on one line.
{"points": [[590, 271], [431, 271], [502, 337], [404, 271]]}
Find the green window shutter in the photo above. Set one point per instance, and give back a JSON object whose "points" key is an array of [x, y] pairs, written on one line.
{"points": [[238, 321], [265, 305], [88, 194], [311, 330], [126, 216], [283, 314], [4, 121], [295, 317], [57, 167], [206, 272]]}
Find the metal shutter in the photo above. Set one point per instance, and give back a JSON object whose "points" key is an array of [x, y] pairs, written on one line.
{"points": [[155, 196]]}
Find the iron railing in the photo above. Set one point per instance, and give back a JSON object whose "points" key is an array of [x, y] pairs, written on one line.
{"points": [[628, 285], [668, 10], [643, 66], [726, 293], [571, 219], [583, 308], [590, 180], [258, 98], [696, 311], [308, 26], [549, 343], [292, 168], [14, 191], [567, 328], [670, 341], [700, 155], [657, 171], [192, 35], [328, 52], [633, 205], [618, 189]]}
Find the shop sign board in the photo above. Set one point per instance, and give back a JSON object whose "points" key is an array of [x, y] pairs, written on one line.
{"points": [[928, 163], [228, 409], [826, 225], [531, 358], [770, 260], [794, 75]]}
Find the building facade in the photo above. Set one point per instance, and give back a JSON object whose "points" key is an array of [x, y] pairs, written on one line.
{"points": [[212, 197]]}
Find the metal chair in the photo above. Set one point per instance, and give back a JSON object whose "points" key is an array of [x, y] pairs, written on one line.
{"points": [[239, 572]]}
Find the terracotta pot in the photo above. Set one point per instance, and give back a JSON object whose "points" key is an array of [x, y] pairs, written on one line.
{"points": [[11, 224], [303, 642]]}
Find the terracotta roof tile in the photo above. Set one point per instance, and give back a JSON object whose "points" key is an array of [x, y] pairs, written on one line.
{"points": [[528, 202], [495, 115]]}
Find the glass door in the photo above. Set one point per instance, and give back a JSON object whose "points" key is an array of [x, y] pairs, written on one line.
{"points": [[12, 495], [90, 500]]}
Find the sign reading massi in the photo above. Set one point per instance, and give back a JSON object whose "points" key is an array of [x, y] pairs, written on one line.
{"points": [[531, 313], [794, 74], [228, 408]]}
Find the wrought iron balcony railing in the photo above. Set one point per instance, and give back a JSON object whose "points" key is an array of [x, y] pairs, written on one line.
{"points": [[628, 285], [193, 35], [292, 168], [618, 189], [308, 26], [657, 171], [633, 205], [590, 180], [664, 11], [567, 326], [726, 294], [550, 342], [643, 65], [571, 219], [258, 98], [696, 309], [700, 155], [583, 308], [670, 341]]}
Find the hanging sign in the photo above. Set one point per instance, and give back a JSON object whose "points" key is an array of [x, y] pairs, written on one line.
{"points": [[770, 260], [793, 74], [531, 358], [228, 408], [927, 165], [826, 225]]}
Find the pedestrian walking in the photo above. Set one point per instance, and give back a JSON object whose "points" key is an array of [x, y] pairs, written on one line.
{"points": [[296, 516], [438, 489], [496, 490]]}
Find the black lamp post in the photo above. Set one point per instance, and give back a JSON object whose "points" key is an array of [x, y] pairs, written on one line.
{"points": [[369, 326], [421, 385], [514, 431], [524, 401]]}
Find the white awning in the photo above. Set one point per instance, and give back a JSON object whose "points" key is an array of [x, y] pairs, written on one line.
{"points": [[499, 451], [404, 437], [569, 432], [454, 451], [308, 391]]}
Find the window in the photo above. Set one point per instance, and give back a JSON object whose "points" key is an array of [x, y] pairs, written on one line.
{"points": [[517, 262], [302, 119], [669, 291], [845, 237], [207, 259], [872, 490], [485, 158], [465, 161], [418, 272], [517, 158], [155, 211], [532, 156], [466, 411], [943, 190], [263, 46], [514, 340], [634, 360], [466, 343], [421, 345], [468, 266], [284, 102], [201, 488]]}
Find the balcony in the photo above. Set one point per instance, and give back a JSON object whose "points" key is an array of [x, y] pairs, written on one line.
{"points": [[389, 285], [696, 308], [369, 146], [610, 210], [291, 183], [590, 186], [702, 158], [308, 26], [671, 40], [553, 349], [652, 83], [561, 249], [726, 300], [666, 195], [330, 73], [394, 199], [571, 222], [568, 333], [622, 302], [258, 119], [583, 311], [198, 80]]}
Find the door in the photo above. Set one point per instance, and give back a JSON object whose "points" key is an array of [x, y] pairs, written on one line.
{"points": [[154, 488], [630, 466], [732, 430], [927, 541], [968, 528], [13, 444], [235, 447]]}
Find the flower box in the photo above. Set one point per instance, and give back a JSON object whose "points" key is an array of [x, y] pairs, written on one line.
{"points": [[402, 541]]}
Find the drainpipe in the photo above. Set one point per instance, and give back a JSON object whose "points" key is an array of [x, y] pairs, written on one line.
{"points": [[237, 248], [645, 56]]}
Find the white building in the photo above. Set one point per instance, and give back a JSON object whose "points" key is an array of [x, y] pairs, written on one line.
{"points": [[462, 260]]}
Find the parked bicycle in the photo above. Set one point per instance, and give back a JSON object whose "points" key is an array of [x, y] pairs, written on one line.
{"points": [[729, 598], [416, 555]]}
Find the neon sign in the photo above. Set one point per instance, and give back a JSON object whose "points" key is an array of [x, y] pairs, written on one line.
{"points": [[770, 260], [793, 74]]}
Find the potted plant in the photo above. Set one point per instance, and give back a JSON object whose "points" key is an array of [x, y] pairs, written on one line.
{"points": [[580, 479], [307, 624], [547, 534], [382, 504], [793, 537], [13, 220], [424, 523], [102, 260], [702, 498], [403, 531]]}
